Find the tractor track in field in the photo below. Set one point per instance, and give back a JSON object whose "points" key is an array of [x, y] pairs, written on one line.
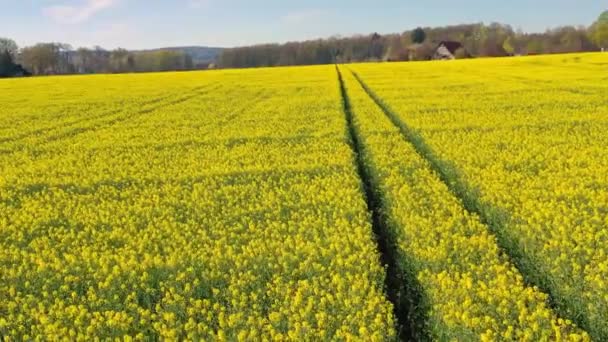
{"points": [[493, 218], [401, 287]]}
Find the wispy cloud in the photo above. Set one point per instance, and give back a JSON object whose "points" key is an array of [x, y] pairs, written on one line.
{"points": [[304, 16], [68, 14]]}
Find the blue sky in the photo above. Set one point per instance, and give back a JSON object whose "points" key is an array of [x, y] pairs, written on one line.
{"points": [[138, 24]]}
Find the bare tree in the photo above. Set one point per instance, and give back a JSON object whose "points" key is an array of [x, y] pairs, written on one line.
{"points": [[41, 58], [119, 61]]}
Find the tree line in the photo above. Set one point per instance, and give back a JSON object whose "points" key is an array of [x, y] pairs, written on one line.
{"points": [[58, 58], [478, 40]]}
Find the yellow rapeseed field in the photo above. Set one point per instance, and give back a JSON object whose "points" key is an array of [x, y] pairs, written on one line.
{"points": [[527, 136], [452, 201], [196, 206], [473, 291]]}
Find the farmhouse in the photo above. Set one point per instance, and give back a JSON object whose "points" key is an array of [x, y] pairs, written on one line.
{"points": [[447, 50]]}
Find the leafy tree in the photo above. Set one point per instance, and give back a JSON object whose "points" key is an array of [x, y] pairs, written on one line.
{"points": [[599, 31], [6, 64], [8, 50], [8, 54], [534, 47], [418, 36], [508, 45], [8, 67], [9, 45]]}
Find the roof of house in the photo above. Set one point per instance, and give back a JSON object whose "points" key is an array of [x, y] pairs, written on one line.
{"points": [[450, 45]]}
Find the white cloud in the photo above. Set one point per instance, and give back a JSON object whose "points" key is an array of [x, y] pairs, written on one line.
{"points": [[303, 16], [67, 14]]}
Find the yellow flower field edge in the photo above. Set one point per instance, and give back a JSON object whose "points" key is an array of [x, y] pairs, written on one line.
{"points": [[233, 215], [472, 290], [522, 142]]}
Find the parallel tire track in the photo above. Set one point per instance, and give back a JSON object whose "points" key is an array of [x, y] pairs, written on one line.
{"points": [[493, 218], [401, 286]]}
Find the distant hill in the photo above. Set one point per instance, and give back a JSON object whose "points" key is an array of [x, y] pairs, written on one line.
{"points": [[200, 54]]}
